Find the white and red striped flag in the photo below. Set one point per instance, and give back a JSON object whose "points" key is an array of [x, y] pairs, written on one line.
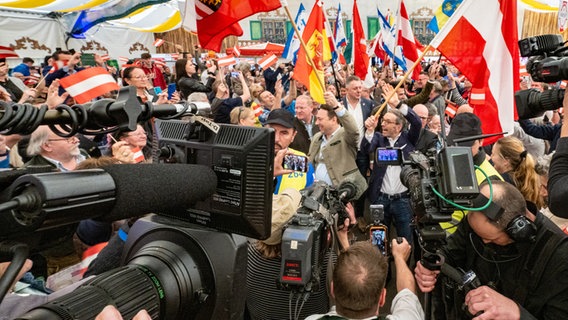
{"points": [[123, 59], [158, 42], [33, 79], [88, 84], [451, 109], [159, 61], [56, 65], [105, 57], [226, 61], [236, 51], [267, 61], [477, 97], [408, 42], [174, 56], [138, 155], [488, 29], [7, 52]]}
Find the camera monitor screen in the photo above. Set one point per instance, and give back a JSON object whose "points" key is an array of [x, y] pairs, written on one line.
{"points": [[242, 158], [389, 156]]}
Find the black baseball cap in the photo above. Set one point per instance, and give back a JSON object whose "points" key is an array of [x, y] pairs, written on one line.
{"points": [[464, 125], [282, 117]]}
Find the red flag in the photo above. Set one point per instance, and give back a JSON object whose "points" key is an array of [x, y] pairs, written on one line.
{"points": [[123, 59], [88, 84], [56, 65], [138, 155], [226, 61], [174, 56], [105, 57], [317, 44], [7, 52], [267, 61], [488, 57], [407, 40], [219, 19], [360, 56], [451, 109]]}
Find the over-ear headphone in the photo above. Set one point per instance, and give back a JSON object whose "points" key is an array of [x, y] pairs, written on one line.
{"points": [[520, 229]]}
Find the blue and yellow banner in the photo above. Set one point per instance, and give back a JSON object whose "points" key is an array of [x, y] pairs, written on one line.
{"points": [[442, 14]]}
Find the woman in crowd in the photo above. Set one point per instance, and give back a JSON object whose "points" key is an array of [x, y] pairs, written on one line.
{"points": [[243, 116], [516, 166], [135, 76], [187, 79], [131, 146]]}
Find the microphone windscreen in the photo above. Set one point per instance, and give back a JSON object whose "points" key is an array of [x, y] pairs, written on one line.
{"points": [[158, 188]]}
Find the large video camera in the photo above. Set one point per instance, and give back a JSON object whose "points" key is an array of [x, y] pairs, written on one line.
{"points": [[434, 181], [306, 239], [548, 63], [184, 262]]}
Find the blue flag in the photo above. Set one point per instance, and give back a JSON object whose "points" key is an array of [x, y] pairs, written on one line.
{"points": [[89, 18], [293, 42], [442, 14], [388, 33]]}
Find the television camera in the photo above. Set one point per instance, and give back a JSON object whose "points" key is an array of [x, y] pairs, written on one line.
{"points": [[183, 262], [548, 63]]}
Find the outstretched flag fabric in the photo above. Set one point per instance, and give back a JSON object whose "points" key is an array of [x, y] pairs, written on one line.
{"points": [[480, 39], [88, 84], [442, 14], [317, 46]]}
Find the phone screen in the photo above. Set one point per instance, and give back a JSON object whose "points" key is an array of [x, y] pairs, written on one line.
{"points": [[387, 156], [295, 162], [171, 90], [378, 236]]}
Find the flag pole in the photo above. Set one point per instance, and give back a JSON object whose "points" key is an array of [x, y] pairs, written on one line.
{"points": [[401, 82], [302, 43]]}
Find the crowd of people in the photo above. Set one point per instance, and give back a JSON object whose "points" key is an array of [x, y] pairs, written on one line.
{"points": [[515, 246]]}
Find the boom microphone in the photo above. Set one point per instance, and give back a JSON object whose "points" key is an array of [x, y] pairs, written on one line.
{"points": [[47, 200], [352, 187]]}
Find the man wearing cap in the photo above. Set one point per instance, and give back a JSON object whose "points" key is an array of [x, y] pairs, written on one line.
{"points": [[520, 260], [282, 121], [466, 125]]}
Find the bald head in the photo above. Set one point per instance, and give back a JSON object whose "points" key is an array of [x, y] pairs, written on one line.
{"points": [[422, 112], [464, 108]]}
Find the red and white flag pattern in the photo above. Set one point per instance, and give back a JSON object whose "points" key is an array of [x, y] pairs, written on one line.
{"points": [[33, 79], [477, 96], [489, 30], [158, 42], [159, 62], [57, 65], [138, 155], [268, 61], [226, 61], [123, 59], [7, 52], [105, 57], [174, 56], [88, 84], [236, 51], [451, 109], [407, 40]]}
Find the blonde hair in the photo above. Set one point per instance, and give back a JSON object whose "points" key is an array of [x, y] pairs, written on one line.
{"points": [[240, 113], [523, 168]]}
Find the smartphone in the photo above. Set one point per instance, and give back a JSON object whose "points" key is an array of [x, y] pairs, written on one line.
{"points": [[88, 59], [378, 236], [389, 156], [234, 74], [171, 90], [157, 90], [295, 162]]}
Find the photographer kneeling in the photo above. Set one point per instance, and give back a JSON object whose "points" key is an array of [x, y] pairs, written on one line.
{"points": [[519, 258], [358, 284]]}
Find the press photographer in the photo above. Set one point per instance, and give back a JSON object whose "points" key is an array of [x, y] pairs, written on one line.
{"points": [[520, 257]]}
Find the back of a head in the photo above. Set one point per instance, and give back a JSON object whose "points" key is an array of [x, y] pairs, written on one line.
{"points": [[358, 280], [506, 196]]}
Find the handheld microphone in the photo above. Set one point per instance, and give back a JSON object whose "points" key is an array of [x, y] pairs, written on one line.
{"points": [[48, 200]]}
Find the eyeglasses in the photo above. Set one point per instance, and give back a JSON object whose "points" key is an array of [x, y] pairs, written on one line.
{"points": [[69, 140], [388, 121]]}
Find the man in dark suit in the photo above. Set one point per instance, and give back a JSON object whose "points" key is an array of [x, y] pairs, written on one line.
{"points": [[427, 139], [360, 108], [305, 123]]}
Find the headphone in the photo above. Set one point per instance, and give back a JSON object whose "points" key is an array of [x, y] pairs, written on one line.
{"points": [[520, 228]]}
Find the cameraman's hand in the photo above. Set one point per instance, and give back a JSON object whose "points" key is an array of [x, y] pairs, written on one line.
{"points": [[493, 304], [425, 278], [111, 313], [343, 230], [401, 250]]}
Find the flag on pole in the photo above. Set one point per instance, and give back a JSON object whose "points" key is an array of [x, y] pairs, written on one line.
{"points": [[317, 46], [293, 42], [442, 14], [388, 36], [88, 84], [339, 30], [226, 61], [407, 41], [218, 19], [329, 33], [158, 42], [491, 61], [7, 52], [267, 61], [360, 56], [174, 56], [56, 65]]}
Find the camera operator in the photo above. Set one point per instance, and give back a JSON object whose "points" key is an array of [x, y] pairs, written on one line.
{"points": [[264, 299], [358, 284], [520, 258]]}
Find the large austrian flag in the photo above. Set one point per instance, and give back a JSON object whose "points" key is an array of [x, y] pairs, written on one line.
{"points": [[480, 39], [88, 84]]}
